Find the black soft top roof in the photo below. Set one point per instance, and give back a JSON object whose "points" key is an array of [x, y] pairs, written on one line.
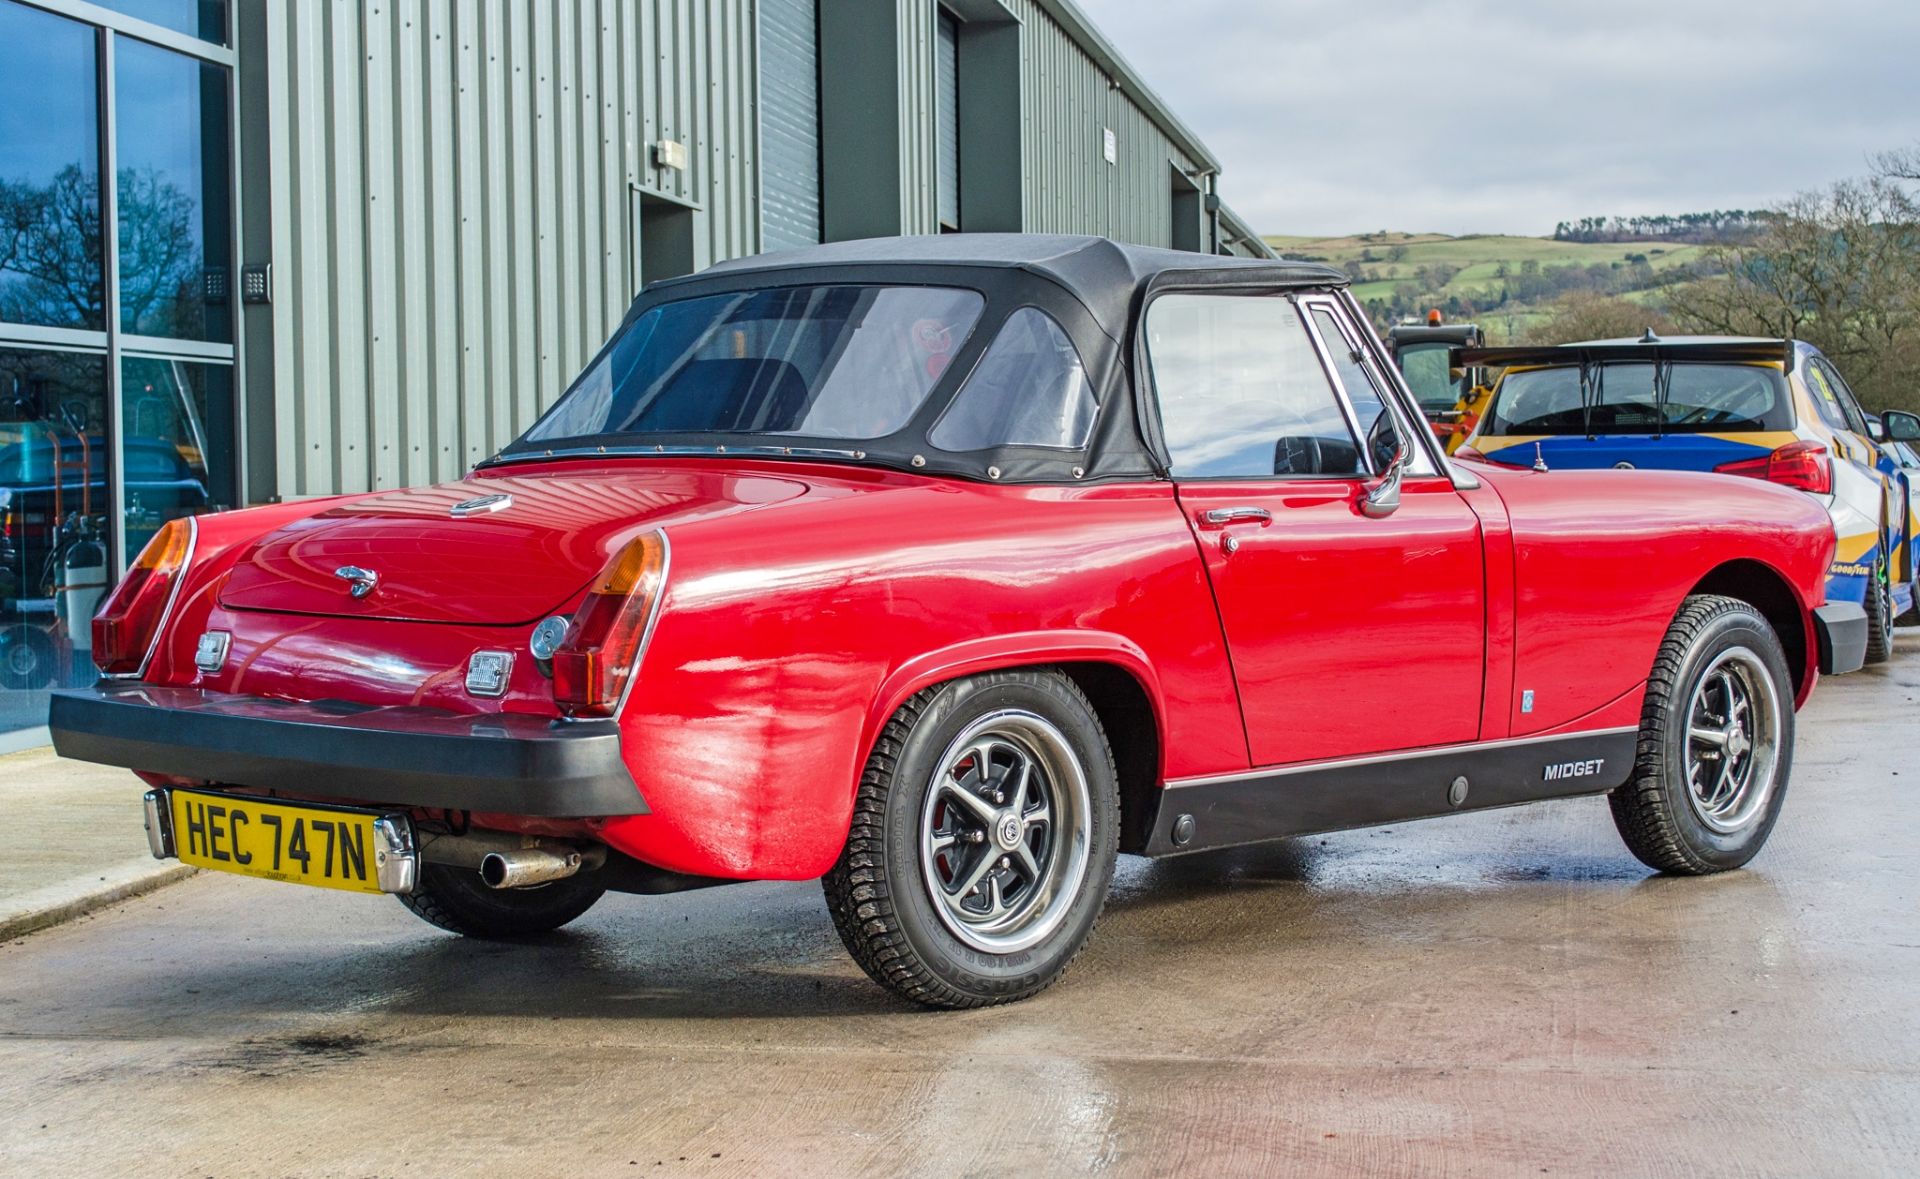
{"points": [[1103, 274], [1091, 286]]}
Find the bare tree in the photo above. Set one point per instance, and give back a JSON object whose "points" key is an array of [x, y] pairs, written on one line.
{"points": [[1836, 268], [1586, 315]]}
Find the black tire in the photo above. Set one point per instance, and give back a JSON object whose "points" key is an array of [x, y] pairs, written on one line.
{"points": [[456, 900], [1668, 823], [945, 952], [1880, 611]]}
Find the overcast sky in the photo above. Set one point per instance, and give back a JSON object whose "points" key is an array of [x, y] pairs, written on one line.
{"points": [[1509, 115]]}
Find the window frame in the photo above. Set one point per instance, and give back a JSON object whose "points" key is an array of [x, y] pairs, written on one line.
{"points": [[1150, 386], [1418, 461]]}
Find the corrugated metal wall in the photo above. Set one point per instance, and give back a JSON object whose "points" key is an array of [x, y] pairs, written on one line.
{"points": [[1066, 103], [453, 194], [455, 188]]}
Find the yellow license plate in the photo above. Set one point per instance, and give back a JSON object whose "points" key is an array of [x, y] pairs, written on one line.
{"points": [[299, 844]]}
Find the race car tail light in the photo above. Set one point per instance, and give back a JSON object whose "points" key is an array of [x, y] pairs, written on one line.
{"points": [[1805, 465], [608, 633], [127, 628]]}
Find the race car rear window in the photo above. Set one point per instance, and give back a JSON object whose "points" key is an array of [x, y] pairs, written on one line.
{"points": [[835, 362], [1622, 399]]}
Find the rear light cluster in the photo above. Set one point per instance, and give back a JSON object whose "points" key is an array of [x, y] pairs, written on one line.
{"points": [[609, 631], [127, 628], [1805, 465]]}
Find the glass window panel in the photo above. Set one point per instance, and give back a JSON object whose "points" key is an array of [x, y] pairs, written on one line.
{"points": [[839, 362], [177, 419], [205, 19], [174, 225], [1242, 392], [1699, 398], [54, 513], [49, 172], [1030, 389], [1369, 407]]}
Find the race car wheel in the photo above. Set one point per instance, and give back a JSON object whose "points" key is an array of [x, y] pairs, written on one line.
{"points": [[456, 900], [1716, 743], [1880, 612], [983, 841], [27, 657]]}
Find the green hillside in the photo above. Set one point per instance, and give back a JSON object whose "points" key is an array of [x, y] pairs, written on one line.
{"points": [[1499, 279]]}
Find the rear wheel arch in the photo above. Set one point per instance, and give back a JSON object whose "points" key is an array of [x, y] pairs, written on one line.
{"points": [[1111, 672], [1764, 588]]}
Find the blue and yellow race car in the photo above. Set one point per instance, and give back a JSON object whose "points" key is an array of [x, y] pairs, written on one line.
{"points": [[1766, 409]]}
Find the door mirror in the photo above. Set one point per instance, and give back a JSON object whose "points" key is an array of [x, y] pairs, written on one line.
{"points": [[1384, 499], [1900, 426]]}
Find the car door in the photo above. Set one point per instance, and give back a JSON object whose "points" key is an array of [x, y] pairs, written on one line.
{"points": [[1347, 635]]}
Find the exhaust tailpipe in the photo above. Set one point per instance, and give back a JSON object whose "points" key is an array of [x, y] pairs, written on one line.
{"points": [[526, 867]]}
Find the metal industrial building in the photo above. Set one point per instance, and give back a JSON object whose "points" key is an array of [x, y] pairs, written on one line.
{"points": [[358, 244]]}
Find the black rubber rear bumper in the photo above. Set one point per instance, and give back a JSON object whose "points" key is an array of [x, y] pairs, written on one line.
{"points": [[1840, 632], [508, 763]]}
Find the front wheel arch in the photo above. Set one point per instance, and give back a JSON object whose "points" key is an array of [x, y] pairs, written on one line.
{"points": [[1764, 588]]}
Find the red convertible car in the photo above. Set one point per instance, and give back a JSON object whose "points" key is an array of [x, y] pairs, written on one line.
{"points": [[944, 570]]}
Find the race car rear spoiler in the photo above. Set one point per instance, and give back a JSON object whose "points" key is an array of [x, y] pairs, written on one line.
{"points": [[1568, 355]]}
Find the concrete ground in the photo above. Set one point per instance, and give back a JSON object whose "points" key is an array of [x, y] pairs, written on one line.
{"points": [[71, 840], [1495, 994]]}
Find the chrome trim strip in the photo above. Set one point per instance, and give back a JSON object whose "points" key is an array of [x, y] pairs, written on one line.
{"points": [[663, 451], [166, 612], [1381, 758]]}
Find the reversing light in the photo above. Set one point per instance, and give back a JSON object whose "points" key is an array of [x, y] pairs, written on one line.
{"points": [[126, 630], [595, 662], [1804, 465]]}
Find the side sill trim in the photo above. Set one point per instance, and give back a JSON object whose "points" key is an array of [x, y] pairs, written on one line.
{"points": [[1384, 758], [1198, 813]]}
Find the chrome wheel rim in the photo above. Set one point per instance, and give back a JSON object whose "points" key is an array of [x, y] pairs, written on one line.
{"points": [[1733, 741], [1003, 832]]}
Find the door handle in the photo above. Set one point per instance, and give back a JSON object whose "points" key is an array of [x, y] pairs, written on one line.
{"points": [[1221, 517]]}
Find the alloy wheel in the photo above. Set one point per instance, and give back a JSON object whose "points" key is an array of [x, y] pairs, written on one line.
{"points": [[1004, 831], [1733, 741]]}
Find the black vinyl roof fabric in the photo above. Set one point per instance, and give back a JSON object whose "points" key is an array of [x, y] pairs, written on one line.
{"points": [[1092, 287], [1104, 274]]}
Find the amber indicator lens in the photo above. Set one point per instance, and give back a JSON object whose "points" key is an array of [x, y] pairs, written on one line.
{"points": [[603, 643], [124, 628]]}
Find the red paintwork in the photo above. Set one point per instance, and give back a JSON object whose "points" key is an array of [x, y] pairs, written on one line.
{"points": [[805, 602], [1320, 568]]}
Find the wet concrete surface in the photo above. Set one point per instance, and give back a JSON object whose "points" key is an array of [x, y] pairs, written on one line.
{"points": [[1497, 994]]}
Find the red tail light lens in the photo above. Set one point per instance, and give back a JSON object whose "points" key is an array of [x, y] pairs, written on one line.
{"points": [[1805, 465], [126, 627], [609, 631]]}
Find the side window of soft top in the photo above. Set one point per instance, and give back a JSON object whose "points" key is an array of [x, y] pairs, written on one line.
{"points": [[1030, 389]]}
